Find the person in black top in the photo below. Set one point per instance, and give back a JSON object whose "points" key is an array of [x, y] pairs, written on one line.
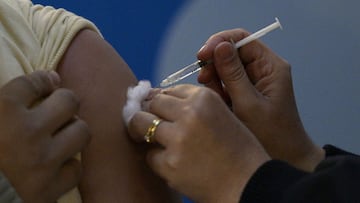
{"points": [[255, 151]]}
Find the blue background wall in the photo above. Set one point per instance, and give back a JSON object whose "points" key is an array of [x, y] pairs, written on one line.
{"points": [[134, 28], [320, 39]]}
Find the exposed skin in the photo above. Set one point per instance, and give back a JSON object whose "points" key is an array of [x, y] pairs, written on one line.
{"points": [[114, 167], [198, 131], [257, 84], [203, 150], [40, 135]]}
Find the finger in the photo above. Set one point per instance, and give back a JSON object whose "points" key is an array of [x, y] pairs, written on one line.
{"points": [[57, 109], [207, 51], [166, 106], [180, 91], [253, 52], [260, 61], [153, 92], [27, 90], [68, 177], [232, 72], [140, 124], [208, 75], [209, 78], [217, 85], [156, 159], [248, 54], [70, 140], [145, 105]]}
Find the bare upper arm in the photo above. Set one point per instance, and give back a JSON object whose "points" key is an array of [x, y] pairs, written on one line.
{"points": [[114, 167]]}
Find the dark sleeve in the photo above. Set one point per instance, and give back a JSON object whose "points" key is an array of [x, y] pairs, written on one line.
{"points": [[269, 182], [336, 179]]}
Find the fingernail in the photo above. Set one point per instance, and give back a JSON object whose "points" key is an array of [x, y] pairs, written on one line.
{"points": [[202, 48], [54, 78], [153, 92]]}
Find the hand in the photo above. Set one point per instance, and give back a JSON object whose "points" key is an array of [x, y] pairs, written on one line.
{"points": [[39, 135], [257, 84], [206, 153]]}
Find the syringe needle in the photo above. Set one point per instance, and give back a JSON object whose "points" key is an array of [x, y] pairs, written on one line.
{"points": [[196, 66]]}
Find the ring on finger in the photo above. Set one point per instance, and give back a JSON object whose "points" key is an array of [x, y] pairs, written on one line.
{"points": [[150, 134]]}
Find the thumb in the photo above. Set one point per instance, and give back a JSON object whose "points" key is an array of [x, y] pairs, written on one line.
{"points": [[232, 73]]}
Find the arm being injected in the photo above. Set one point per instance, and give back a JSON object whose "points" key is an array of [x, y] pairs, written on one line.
{"points": [[196, 66]]}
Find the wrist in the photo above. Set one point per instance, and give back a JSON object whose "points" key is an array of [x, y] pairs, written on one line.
{"points": [[310, 158], [270, 182], [236, 185], [231, 189], [299, 150]]}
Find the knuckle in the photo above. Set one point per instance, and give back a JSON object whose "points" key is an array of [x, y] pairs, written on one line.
{"points": [[37, 158], [241, 31], [69, 98], [179, 139], [237, 73], [184, 86], [136, 120], [31, 126], [153, 103], [173, 162], [205, 95], [191, 111], [39, 83], [237, 33]]}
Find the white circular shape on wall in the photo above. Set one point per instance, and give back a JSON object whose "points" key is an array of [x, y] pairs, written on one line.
{"points": [[320, 40]]}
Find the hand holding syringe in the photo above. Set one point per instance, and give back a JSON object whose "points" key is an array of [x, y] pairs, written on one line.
{"points": [[195, 67]]}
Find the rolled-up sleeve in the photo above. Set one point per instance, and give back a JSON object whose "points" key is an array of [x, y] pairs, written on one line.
{"points": [[35, 37], [54, 29]]}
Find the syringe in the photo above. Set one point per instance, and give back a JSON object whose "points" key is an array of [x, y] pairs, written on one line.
{"points": [[196, 66]]}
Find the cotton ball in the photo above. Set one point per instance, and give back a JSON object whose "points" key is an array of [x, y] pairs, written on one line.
{"points": [[135, 96]]}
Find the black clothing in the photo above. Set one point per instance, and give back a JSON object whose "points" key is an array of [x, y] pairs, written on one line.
{"points": [[336, 179]]}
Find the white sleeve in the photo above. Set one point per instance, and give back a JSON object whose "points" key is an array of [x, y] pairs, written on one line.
{"points": [[34, 37], [54, 30]]}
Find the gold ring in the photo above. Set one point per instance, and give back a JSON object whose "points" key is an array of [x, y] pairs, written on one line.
{"points": [[149, 136]]}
